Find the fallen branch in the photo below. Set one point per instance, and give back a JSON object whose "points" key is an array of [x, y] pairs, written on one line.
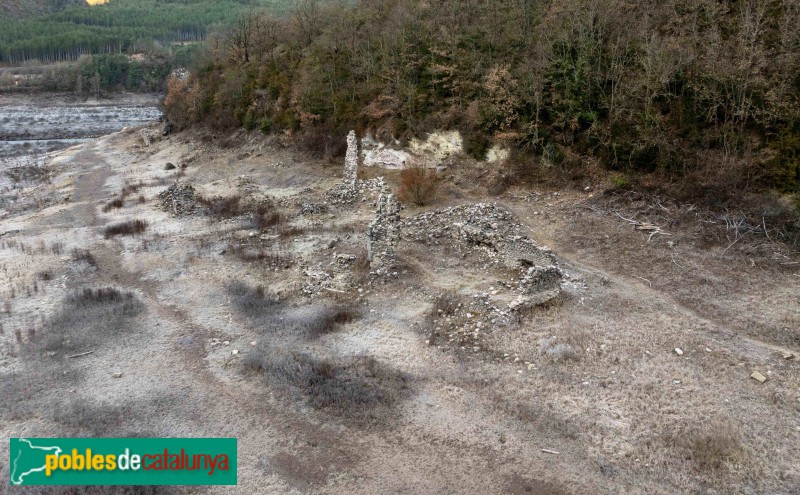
{"points": [[764, 224], [335, 290], [546, 451], [646, 227], [80, 355]]}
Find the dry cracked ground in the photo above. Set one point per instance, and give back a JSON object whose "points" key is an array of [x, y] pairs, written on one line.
{"points": [[243, 306]]}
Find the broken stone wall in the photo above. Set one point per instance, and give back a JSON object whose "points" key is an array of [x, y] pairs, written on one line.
{"points": [[383, 234], [351, 161]]}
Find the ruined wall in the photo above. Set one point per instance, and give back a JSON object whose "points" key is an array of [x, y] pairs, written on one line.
{"points": [[351, 162], [383, 234]]}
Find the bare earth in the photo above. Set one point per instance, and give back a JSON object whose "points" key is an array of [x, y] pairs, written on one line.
{"points": [[584, 394]]}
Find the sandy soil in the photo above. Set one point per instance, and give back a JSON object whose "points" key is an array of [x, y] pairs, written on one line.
{"points": [[618, 411]]}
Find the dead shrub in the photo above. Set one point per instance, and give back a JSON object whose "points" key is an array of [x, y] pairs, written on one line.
{"points": [[84, 255], [253, 302], [115, 203], [104, 295], [558, 352], [418, 185], [265, 217], [291, 232], [131, 227], [358, 388], [446, 303], [87, 317], [322, 320], [129, 189], [222, 206], [253, 254], [710, 445]]}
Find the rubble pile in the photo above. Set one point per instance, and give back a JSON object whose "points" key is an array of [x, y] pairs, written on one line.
{"points": [[313, 209], [337, 276], [493, 235], [179, 199]]}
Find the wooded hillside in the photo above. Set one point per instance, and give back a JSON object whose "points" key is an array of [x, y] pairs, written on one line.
{"points": [[18, 9], [119, 26], [701, 90]]}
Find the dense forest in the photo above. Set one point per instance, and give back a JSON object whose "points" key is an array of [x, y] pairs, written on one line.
{"points": [[700, 91], [120, 26], [19, 9]]}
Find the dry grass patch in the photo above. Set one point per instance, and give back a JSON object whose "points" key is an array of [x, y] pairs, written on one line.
{"points": [[86, 318], [265, 216], [254, 302], [711, 445], [130, 227], [113, 204], [222, 206], [322, 320], [84, 255], [358, 388]]}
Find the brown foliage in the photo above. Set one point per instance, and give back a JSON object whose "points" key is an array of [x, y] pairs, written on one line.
{"points": [[418, 185]]}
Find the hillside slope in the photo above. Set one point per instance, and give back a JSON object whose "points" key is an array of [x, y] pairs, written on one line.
{"points": [[19, 9], [120, 26], [426, 381]]}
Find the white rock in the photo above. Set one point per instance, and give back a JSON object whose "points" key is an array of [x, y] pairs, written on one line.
{"points": [[679, 351], [116, 374], [757, 376], [235, 352]]}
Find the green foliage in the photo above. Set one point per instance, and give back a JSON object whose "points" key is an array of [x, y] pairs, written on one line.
{"points": [[119, 26], [677, 96], [249, 121], [101, 73], [786, 169], [266, 125], [620, 181]]}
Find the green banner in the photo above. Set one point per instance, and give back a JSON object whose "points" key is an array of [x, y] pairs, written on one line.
{"points": [[123, 461]]}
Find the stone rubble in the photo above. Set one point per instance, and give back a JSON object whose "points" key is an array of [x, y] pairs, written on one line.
{"points": [[178, 199], [313, 209], [494, 236]]}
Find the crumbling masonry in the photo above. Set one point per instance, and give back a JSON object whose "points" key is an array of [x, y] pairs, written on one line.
{"points": [[383, 233], [351, 162]]}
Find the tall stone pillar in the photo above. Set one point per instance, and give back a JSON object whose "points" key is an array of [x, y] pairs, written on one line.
{"points": [[351, 162]]}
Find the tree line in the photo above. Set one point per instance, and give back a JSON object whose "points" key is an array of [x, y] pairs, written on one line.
{"points": [[96, 74], [699, 89], [120, 26]]}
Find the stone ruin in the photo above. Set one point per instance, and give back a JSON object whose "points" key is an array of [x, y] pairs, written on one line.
{"points": [[350, 180], [348, 191], [490, 236], [383, 233]]}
